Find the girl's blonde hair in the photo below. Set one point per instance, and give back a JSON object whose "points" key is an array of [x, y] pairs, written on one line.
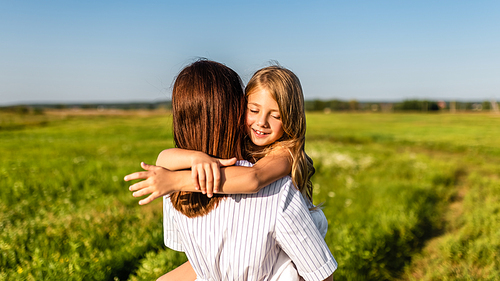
{"points": [[284, 86]]}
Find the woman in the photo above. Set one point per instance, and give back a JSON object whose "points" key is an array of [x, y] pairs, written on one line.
{"points": [[233, 237]]}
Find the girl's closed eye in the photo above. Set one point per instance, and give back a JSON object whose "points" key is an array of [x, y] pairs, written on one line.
{"points": [[252, 109]]}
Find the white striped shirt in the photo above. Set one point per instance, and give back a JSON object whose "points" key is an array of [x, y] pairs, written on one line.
{"points": [[242, 237]]}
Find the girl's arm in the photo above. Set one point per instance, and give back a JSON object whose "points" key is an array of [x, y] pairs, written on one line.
{"points": [[239, 179], [205, 170], [183, 272], [181, 159], [270, 168], [159, 181]]}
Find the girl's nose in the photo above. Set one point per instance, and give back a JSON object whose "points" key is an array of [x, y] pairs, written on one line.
{"points": [[262, 121]]}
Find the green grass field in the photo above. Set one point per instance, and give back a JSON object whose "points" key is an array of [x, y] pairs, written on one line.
{"points": [[407, 196]]}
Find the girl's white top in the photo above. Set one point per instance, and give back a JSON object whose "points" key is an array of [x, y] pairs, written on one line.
{"points": [[243, 237]]}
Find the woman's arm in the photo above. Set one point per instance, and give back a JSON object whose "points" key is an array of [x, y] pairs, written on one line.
{"points": [[159, 181], [183, 272]]}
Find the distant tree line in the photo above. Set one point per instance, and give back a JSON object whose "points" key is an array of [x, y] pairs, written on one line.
{"points": [[406, 105], [22, 109], [310, 105], [40, 108]]}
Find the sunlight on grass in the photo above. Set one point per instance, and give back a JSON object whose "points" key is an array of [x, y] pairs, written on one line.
{"points": [[407, 196]]}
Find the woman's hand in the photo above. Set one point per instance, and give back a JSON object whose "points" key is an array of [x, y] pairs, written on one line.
{"points": [[157, 182], [205, 172]]}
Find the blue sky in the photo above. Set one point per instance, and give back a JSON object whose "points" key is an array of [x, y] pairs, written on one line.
{"points": [[120, 51]]}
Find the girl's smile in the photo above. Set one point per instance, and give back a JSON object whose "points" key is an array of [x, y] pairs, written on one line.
{"points": [[263, 119]]}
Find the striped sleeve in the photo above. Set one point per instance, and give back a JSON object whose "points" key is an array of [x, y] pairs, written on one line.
{"points": [[298, 236], [171, 235], [319, 220]]}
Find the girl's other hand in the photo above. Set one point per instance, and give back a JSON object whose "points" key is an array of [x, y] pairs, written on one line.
{"points": [[157, 183], [205, 172]]}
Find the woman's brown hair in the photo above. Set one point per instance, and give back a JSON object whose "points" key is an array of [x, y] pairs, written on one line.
{"points": [[208, 106]]}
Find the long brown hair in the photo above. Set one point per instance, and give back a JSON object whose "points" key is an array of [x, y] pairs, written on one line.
{"points": [[284, 86], [208, 106]]}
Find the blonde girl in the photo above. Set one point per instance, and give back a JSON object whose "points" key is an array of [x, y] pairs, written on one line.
{"points": [[274, 98]]}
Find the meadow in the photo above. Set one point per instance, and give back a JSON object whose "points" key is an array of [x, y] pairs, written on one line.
{"points": [[407, 196]]}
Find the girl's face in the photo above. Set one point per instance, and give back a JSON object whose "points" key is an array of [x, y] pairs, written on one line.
{"points": [[263, 121]]}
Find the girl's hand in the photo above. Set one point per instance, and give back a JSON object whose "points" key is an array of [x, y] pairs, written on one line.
{"points": [[157, 182], [205, 172]]}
